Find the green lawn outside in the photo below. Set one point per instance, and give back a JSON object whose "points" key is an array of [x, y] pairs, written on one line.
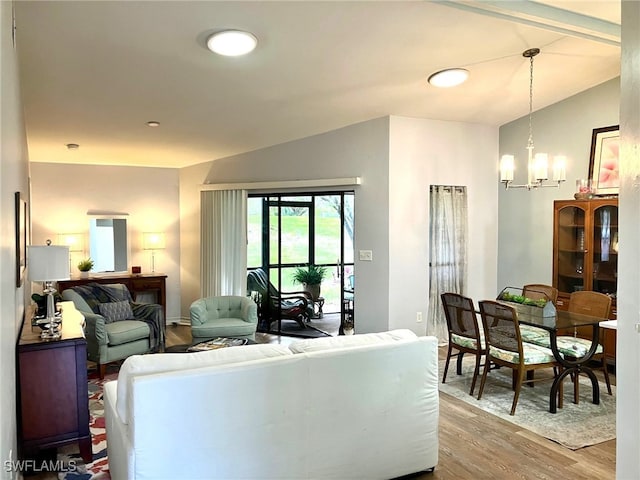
{"points": [[295, 250]]}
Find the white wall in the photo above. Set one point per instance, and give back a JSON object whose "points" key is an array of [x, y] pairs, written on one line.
{"points": [[14, 174], [628, 348], [433, 152], [357, 150], [525, 218], [64, 193]]}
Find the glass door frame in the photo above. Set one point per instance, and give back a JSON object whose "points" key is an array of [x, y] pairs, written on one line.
{"points": [[279, 200]]}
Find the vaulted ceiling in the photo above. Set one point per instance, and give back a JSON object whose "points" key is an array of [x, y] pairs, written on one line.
{"points": [[94, 73]]}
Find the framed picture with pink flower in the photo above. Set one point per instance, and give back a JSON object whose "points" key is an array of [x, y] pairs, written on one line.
{"points": [[604, 161]]}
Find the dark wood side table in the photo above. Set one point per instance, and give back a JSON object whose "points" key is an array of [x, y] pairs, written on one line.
{"points": [[52, 390]]}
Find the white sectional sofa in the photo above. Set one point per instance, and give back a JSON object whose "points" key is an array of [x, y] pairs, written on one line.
{"points": [[353, 407]]}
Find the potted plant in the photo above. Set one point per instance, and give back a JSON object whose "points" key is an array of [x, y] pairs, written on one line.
{"points": [[85, 266], [310, 277]]}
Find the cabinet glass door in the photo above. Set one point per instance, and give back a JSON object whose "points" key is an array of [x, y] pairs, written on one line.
{"points": [[572, 246], [605, 250]]}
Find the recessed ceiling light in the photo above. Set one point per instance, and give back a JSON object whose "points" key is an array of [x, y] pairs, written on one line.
{"points": [[232, 43], [153, 123], [450, 77], [73, 146]]}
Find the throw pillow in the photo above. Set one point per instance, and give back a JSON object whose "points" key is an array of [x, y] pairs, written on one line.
{"points": [[115, 311]]}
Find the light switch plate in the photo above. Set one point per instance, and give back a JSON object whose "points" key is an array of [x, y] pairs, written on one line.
{"points": [[366, 255]]}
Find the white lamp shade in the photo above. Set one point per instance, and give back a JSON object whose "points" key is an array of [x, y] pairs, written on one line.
{"points": [[48, 263], [153, 241]]}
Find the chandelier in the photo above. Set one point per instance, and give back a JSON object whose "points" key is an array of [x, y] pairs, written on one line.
{"points": [[538, 164]]}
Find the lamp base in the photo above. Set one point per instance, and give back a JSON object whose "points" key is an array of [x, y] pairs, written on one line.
{"points": [[52, 333]]}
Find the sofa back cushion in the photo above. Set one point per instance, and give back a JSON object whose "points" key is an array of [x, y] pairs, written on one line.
{"points": [[166, 362], [343, 341]]}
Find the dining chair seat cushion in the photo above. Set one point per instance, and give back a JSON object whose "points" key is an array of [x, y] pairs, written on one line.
{"points": [[575, 347], [567, 345], [532, 354], [535, 335], [468, 342]]}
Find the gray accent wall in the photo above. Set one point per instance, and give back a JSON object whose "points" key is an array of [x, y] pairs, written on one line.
{"points": [[525, 218]]}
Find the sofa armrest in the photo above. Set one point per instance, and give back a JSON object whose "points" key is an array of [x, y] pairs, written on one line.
{"points": [[94, 328]]}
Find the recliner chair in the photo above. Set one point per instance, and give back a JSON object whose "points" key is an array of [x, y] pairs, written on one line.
{"points": [[275, 305]]}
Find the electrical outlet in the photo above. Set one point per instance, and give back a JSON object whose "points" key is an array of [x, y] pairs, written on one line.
{"points": [[366, 255], [419, 317]]}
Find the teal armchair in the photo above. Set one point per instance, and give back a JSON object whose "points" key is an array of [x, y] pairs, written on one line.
{"points": [[115, 326], [225, 316]]}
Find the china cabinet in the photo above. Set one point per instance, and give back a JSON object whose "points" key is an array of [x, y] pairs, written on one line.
{"points": [[585, 252]]}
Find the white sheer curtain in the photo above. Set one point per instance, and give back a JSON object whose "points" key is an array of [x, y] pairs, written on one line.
{"points": [[448, 251], [223, 245]]}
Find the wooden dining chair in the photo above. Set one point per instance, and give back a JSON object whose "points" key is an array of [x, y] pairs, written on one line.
{"points": [[465, 334], [505, 348], [539, 291], [594, 304]]}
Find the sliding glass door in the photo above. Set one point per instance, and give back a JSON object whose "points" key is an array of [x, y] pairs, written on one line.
{"points": [[286, 231]]}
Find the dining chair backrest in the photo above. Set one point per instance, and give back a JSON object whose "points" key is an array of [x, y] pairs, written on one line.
{"points": [[461, 315], [501, 327], [595, 304], [539, 291]]}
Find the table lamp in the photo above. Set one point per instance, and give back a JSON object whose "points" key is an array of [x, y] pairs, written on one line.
{"points": [[48, 263], [153, 241]]}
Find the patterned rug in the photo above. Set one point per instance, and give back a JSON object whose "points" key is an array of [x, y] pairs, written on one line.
{"points": [[99, 468], [574, 426]]}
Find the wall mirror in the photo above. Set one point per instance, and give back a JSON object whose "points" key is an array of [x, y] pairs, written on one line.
{"points": [[108, 246]]}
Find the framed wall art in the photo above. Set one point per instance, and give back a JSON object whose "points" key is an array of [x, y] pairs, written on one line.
{"points": [[604, 160], [21, 238]]}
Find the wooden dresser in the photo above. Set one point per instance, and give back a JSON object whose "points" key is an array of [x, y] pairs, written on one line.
{"points": [[52, 390], [136, 283]]}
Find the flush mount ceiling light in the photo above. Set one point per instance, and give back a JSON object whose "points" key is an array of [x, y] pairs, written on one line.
{"points": [[232, 43], [153, 123], [450, 77], [72, 146]]}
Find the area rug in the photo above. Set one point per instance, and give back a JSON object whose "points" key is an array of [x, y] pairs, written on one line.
{"points": [[70, 455], [574, 426]]}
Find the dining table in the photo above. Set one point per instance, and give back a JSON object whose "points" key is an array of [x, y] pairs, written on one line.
{"points": [[574, 366]]}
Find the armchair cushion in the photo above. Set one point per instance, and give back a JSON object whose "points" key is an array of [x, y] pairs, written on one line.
{"points": [[115, 311], [125, 331]]}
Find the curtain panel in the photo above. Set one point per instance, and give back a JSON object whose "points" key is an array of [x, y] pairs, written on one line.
{"points": [[448, 252], [223, 245]]}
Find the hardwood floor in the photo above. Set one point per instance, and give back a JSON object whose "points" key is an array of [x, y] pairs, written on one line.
{"points": [[477, 445]]}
